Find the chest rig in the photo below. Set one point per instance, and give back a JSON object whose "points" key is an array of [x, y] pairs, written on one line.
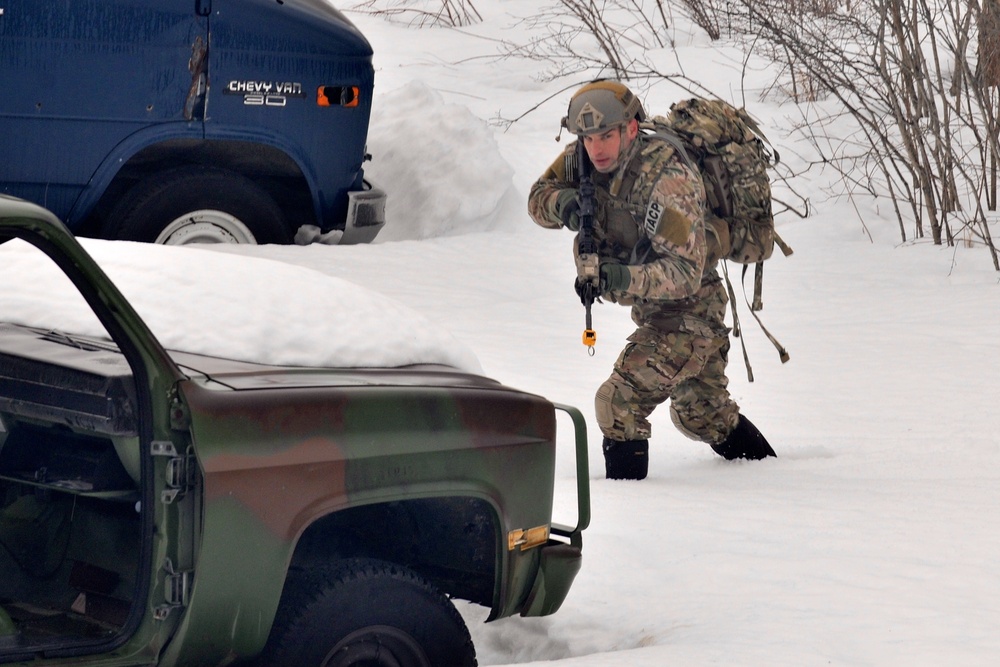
{"points": [[622, 201]]}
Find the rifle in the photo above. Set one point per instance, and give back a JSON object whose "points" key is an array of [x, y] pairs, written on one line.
{"points": [[587, 261]]}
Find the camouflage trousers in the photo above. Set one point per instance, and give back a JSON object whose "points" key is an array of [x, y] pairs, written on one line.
{"points": [[686, 368]]}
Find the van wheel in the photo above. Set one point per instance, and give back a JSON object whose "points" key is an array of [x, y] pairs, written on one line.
{"points": [[197, 205], [367, 613]]}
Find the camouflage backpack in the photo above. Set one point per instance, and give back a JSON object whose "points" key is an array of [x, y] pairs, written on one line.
{"points": [[727, 147]]}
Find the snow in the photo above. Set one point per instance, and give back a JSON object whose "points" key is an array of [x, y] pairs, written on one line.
{"points": [[872, 538], [199, 302]]}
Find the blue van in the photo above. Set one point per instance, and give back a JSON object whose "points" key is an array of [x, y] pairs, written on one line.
{"points": [[179, 121]]}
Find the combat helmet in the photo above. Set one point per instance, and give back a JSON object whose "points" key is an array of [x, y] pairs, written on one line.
{"points": [[601, 105]]}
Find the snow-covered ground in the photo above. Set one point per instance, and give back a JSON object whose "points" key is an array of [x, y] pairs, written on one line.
{"points": [[871, 540]]}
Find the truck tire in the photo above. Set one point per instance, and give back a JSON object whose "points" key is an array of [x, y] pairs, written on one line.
{"points": [[197, 205], [367, 613]]}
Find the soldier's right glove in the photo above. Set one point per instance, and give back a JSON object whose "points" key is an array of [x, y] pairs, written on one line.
{"points": [[586, 290], [568, 209]]}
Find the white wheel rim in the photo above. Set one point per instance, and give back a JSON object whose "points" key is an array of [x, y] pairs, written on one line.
{"points": [[206, 226]]}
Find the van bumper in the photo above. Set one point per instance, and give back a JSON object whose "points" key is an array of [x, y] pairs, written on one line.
{"points": [[365, 214]]}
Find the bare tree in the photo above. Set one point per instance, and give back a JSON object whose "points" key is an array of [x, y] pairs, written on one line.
{"points": [[423, 13], [905, 72], [707, 15], [610, 36], [988, 70]]}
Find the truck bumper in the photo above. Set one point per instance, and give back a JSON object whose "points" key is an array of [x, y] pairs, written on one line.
{"points": [[556, 572], [365, 215], [560, 561]]}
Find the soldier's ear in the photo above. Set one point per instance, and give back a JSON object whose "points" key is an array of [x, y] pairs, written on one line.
{"points": [[632, 129]]}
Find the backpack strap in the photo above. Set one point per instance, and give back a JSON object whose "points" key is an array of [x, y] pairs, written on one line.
{"points": [[752, 124], [737, 329], [782, 352], [758, 282], [786, 249], [674, 140]]}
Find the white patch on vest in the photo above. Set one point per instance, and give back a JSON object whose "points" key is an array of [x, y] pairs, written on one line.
{"points": [[653, 215]]}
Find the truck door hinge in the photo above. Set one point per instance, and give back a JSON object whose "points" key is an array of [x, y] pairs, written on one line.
{"points": [[176, 590], [180, 416], [179, 475]]}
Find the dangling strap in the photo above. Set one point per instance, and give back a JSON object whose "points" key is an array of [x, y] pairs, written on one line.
{"points": [[758, 287], [786, 249], [737, 331], [758, 305], [758, 281]]}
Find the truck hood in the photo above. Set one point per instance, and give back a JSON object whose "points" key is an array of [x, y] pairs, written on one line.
{"points": [[242, 375]]}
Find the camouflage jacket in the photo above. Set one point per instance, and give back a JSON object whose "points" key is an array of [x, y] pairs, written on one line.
{"points": [[649, 215]]}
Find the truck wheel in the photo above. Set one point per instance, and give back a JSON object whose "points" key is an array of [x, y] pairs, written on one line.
{"points": [[368, 613], [197, 205]]}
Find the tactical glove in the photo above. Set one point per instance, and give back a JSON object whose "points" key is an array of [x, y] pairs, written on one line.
{"points": [[614, 277], [586, 290], [568, 209]]}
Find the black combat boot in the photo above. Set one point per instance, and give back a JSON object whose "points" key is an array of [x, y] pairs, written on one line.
{"points": [[745, 442], [628, 459]]}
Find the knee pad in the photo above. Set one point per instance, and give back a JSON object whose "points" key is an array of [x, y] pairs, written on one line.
{"points": [[602, 406]]}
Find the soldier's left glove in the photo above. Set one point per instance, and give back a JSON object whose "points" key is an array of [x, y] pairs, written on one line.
{"points": [[614, 277]]}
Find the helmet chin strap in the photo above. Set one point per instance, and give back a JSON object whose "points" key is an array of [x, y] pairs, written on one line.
{"points": [[623, 146]]}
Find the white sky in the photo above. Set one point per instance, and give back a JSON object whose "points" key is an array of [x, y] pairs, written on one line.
{"points": [[871, 540]]}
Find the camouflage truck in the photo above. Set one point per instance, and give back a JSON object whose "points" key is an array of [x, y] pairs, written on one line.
{"points": [[168, 508]]}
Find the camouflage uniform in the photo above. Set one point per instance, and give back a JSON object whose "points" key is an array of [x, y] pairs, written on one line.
{"points": [[650, 215]]}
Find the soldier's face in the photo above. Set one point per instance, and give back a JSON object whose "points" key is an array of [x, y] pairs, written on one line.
{"points": [[605, 149]]}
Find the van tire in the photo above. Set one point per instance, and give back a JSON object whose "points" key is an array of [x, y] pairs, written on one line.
{"points": [[367, 612], [197, 205]]}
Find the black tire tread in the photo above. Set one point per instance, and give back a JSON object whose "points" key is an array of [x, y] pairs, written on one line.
{"points": [[308, 594], [263, 216]]}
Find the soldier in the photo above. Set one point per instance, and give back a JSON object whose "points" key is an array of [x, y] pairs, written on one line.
{"points": [[658, 254]]}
